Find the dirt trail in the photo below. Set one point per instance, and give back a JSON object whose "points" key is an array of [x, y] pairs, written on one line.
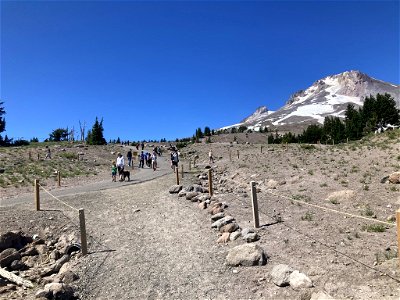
{"points": [[161, 247]]}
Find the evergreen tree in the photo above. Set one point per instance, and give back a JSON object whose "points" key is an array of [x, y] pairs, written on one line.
{"points": [[312, 134], [207, 131], [333, 130], [353, 123], [2, 120], [96, 134], [386, 110], [59, 134]]}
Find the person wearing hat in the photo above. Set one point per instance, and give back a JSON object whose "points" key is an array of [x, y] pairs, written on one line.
{"points": [[120, 165]]}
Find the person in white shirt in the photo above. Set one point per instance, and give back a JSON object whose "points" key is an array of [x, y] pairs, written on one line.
{"points": [[120, 165]]}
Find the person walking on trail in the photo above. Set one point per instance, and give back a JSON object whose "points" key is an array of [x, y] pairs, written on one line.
{"points": [[154, 160], [129, 156], [211, 157], [141, 159], [48, 153], [174, 160], [114, 171], [120, 165]]}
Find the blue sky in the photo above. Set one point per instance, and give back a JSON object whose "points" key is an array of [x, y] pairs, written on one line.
{"points": [[161, 69]]}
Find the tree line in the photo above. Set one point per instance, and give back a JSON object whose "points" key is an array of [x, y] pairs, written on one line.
{"points": [[376, 112]]}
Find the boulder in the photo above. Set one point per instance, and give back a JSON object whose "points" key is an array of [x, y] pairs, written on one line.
{"points": [[299, 280], [8, 256], [202, 205], [18, 265], [234, 235], [182, 193], [280, 274], [224, 238], [68, 277], [223, 221], [246, 231], [246, 255], [13, 239], [216, 210], [191, 195], [231, 227], [175, 189], [251, 237], [56, 291], [394, 177], [344, 195], [217, 216]]}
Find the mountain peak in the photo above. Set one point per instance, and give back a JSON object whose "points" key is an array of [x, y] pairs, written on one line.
{"points": [[260, 112], [328, 96]]}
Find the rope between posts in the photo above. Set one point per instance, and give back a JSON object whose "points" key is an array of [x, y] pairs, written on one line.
{"points": [[332, 210], [66, 204], [334, 249]]}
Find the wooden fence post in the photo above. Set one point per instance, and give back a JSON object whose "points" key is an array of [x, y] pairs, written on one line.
{"points": [[37, 195], [398, 234], [238, 154], [255, 204], [82, 226], [210, 187], [59, 178], [177, 174], [38, 156], [261, 149]]}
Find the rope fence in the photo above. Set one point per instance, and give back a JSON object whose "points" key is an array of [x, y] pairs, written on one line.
{"points": [[81, 212], [256, 212]]}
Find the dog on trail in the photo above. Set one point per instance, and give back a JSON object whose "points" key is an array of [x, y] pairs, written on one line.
{"points": [[124, 174]]}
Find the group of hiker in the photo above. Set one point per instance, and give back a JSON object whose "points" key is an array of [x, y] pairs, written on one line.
{"points": [[144, 158], [148, 159]]}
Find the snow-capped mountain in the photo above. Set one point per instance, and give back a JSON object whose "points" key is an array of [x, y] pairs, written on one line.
{"points": [[325, 97]]}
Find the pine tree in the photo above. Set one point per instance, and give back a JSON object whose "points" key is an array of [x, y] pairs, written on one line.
{"points": [[2, 120], [95, 136]]}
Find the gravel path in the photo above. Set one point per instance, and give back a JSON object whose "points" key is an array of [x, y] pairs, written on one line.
{"points": [[145, 243], [148, 244]]}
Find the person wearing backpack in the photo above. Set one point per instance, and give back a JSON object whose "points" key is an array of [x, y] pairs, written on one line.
{"points": [[174, 160]]}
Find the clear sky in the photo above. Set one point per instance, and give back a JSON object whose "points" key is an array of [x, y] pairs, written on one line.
{"points": [[161, 69]]}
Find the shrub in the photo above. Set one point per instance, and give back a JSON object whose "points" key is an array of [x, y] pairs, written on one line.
{"points": [[374, 228]]}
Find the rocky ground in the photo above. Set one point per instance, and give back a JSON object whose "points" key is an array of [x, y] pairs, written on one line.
{"points": [[148, 243]]}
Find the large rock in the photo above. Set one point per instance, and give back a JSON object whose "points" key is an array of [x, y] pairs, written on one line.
{"points": [[224, 238], [246, 255], [223, 221], [344, 195], [231, 227], [251, 237], [299, 280], [394, 177], [191, 195], [13, 239], [280, 274], [8, 256], [56, 291], [175, 189], [217, 216]]}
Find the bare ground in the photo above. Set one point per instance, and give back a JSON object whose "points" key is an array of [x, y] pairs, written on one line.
{"points": [[148, 244]]}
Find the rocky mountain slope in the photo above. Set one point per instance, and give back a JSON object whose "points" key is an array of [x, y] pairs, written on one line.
{"points": [[325, 97]]}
